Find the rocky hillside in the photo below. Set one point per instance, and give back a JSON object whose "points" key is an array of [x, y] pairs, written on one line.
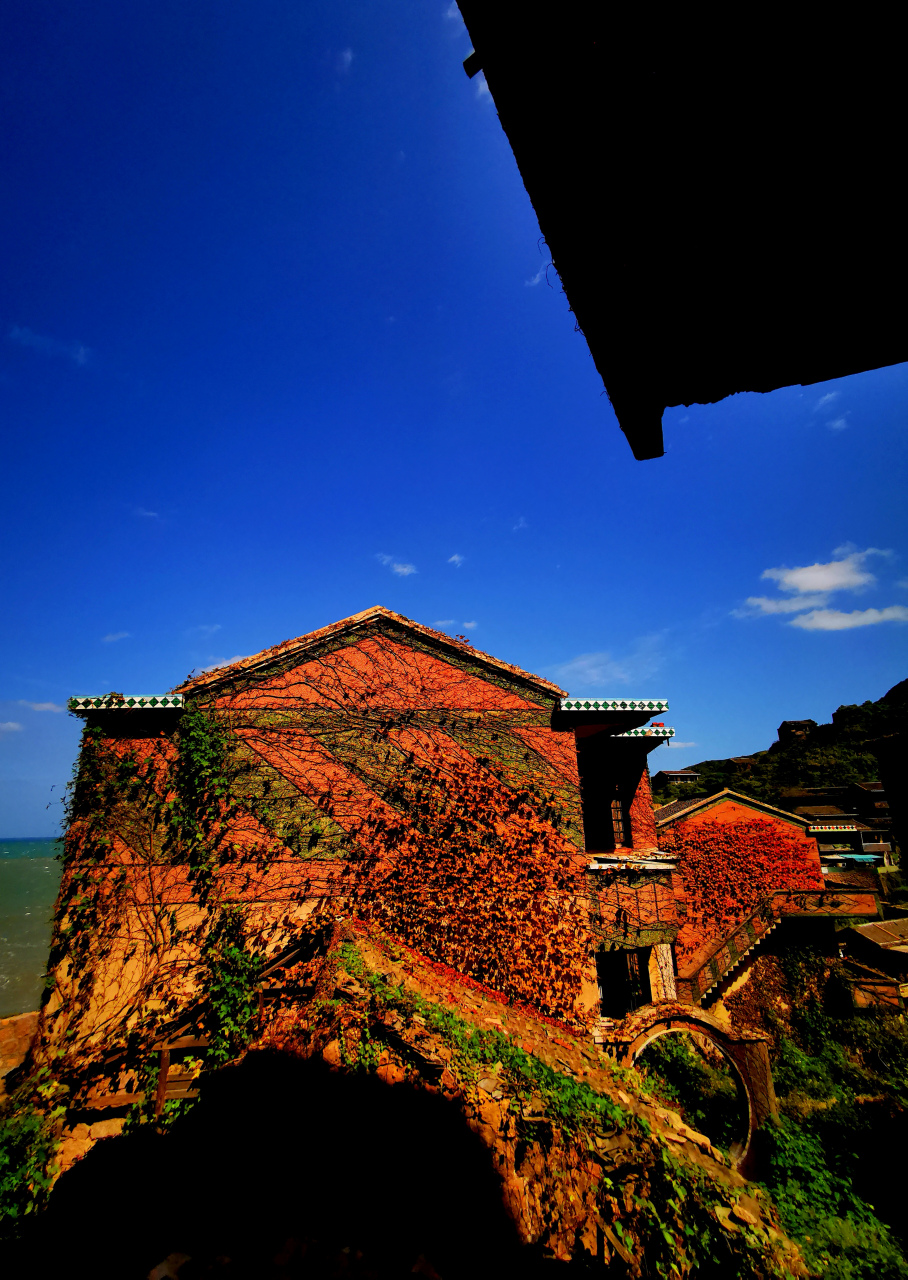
{"points": [[399, 1123], [807, 754]]}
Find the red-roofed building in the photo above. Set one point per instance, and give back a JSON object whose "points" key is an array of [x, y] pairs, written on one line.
{"points": [[381, 770], [741, 866]]}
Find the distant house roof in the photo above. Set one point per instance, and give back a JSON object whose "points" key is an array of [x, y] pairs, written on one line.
{"points": [[885, 933], [675, 807], [363, 623], [685, 808], [852, 878], [680, 773]]}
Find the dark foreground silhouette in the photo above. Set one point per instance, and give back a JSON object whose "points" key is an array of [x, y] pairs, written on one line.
{"points": [[285, 1169]]}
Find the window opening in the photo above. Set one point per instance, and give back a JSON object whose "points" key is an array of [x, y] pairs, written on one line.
{"points": [[607, 782], [620, 824], [623, 979]]}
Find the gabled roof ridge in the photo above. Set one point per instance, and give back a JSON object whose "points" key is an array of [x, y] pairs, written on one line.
{"points": [[727, 793], [301, 643]]}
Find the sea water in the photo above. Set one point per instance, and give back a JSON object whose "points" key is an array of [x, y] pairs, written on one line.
{"points": [[29, 881]]}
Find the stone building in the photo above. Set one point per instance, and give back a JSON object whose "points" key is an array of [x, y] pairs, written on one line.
{"points": [[381, 771], [740, 868], [374, 769]]}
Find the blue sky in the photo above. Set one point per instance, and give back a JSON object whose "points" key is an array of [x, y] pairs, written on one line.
{"points": [[277, 344]]}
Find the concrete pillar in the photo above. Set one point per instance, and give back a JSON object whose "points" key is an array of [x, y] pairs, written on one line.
{"points": [[662, 972]]}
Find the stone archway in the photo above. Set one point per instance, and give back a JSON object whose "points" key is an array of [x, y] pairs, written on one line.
{"points": [[747, 1051]]}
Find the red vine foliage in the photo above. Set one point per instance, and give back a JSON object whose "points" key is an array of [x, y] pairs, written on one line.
{"points": [[726, 869], [478, 878], [378, 777]]}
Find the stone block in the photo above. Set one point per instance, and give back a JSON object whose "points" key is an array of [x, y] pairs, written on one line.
{"points": [[106, 1128]]}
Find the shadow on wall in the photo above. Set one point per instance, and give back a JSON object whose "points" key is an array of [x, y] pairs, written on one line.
{"points": [[286, 1169]]}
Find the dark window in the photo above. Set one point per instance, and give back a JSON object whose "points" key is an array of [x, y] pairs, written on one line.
{"points": [[623, 977], [608, 780]]}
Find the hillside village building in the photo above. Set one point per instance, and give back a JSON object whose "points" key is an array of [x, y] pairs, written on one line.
{"points": [[379, 774], [665, 777], [741, 868]]}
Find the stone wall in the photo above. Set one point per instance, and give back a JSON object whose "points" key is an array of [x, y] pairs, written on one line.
{"points": [[16, 1035]]}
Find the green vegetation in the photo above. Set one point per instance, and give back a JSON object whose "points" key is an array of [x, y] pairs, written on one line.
{"points": [[232, 973], [680, 1220], [693, 1081], [28, 1141], [830, 755], [569, 1103], [842, 1083]]}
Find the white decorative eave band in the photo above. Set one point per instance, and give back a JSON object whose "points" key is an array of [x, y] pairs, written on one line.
{"points": [[651, 732], [631, 864], [614, 704], [115, 702], [845, 826]]}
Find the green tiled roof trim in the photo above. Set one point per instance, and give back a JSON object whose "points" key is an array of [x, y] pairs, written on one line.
{"points": [[107, 703], [839, 827], [646, 733], [614, 704]]}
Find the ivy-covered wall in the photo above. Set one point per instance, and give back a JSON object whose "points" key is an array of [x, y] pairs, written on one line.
{"points": [[730, 859], [424, 792]]}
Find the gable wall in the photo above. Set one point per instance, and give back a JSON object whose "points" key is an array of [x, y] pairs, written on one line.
{"points": [[730, 859], [346, 773]]}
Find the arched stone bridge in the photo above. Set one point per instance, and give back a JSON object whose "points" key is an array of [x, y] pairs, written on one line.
{"points": [[746, 1051]]}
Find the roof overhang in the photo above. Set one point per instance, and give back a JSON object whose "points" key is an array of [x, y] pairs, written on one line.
{"points": [[131, 702], [699, 805], [665, 161], [619, 715]]}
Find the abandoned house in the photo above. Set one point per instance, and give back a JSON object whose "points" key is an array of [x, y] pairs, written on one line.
{"points": [[666, 777], [380, 773], [742, 869]]}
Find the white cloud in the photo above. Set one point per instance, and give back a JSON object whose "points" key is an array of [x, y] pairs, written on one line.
{"points": [[795, 604], [591, 671], [345, 58], [226, 662], [675, 745], [844, 574], [41, 706], [522, 523], [75, 351], [204, 629], [114, 635], [482, 88], [9, 726], [145, 515], [445, 622], [838, 424], [539, 276], [902, 582], [452, 12], [836, 620], [396, 566], [825, 400], [469, 626], [595, 671], [456, 560]]}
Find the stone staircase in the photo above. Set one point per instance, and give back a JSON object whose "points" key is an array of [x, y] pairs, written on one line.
{"points": [[716, 960]]}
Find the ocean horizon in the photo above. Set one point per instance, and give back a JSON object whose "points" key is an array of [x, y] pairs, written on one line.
{"points": [[29, 881]]}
